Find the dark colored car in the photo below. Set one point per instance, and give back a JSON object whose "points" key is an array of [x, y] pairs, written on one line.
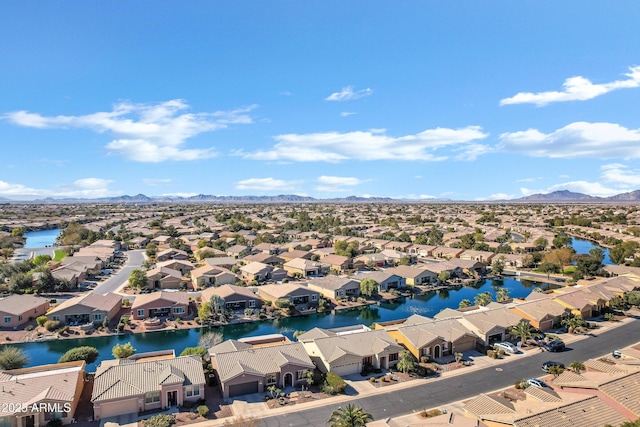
{"points": [[555, 346], [549, 364]]}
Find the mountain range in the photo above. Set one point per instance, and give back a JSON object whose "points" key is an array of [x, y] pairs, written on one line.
{"points": [[562, 196]]}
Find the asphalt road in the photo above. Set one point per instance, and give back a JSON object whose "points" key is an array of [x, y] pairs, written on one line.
{"points": [[134, 261], [440, 392]]}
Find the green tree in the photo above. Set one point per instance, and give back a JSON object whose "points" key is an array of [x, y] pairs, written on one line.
{"points": [[541, 243], [369, 287], [138, 279], [577, 366], [12, 358], [122, 351], [204, 312], [435, 236], [217, 305], [573, 323], [523, 330], [407, 362], [502, 294], [444, 275], [497, 267], [465, 303], [17, 232], [482, 299], [151, 250], [41, 259], [556, 370], [351, 416], [86, 353], [200, 351]]}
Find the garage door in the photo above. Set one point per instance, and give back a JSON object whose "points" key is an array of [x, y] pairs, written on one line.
{"points": [[348, 369], [240, 389], [121, 407], [546, 325]]}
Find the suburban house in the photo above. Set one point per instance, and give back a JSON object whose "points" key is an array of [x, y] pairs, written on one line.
{"points": [[171, 254], [350, 352], [264, 258], [73, 273], [59, 385], [138, 242], [543, 313], [414, 275], [480, 256], [446, 252], [16, 309], [145, 382], [303, 267], [89, 264], [337, 263], [160, 304], [242, 368], [300, 296], [164, 278], [223, 261], [580, 303], [88, 308], [210, 276], [261, 272], [235, 297], [267, 248], [294, 253], [335, 287], [490, 325], [184, 267], [386, 279], [433, 338], [376, 258]]}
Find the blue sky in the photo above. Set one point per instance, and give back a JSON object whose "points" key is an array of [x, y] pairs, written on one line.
{"points": [[408, 99]]}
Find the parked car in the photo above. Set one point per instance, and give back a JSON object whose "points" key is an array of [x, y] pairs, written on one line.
{"points": [[555, 346], [617, 354], [507, 347], [550, 363], [534, 382]]}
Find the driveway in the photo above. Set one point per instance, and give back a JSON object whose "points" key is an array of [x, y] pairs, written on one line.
{"points": [[135, 258]]}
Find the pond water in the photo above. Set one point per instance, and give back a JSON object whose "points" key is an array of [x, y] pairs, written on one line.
{"points": [[42, 238], [428, 304], [582, 246]]}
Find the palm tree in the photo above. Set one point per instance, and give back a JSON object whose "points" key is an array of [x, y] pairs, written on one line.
{"points": [[556, 370], [577, 366], [351, 416], [523, 330], [465, 303]]}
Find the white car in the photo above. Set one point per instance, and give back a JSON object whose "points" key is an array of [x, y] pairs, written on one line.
{"points": [[507, 347], [534, 382]]}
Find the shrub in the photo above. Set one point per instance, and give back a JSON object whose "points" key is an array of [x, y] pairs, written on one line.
{"points": [[492, 354], [86, 353], [51, 325], [41, 320], [122, 351], [203, 410], [160, 420], [120, 327], [63, 330], [372, 379], [430, 413], [518, 384], [334, 383]]}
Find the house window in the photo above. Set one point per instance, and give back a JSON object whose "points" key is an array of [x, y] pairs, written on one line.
{"points": [[7, 319], [178, 310], [252, 303], [97, 317], [152, 397], [301, 375], [314, 297], [19, 318], [271, 379], [393, 357], [193, 390], [35, 310], [5, 421], [57, 318], [141, 312]]}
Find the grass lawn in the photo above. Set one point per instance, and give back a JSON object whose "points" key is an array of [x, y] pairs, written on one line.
{"points": [[59, 255], [569, 270]]}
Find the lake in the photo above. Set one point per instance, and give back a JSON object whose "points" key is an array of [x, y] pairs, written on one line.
{"points": [[582, 246], [42, 238], [428, 304]]}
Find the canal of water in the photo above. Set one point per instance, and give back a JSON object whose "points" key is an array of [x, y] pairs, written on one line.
{"points": [[41, 238]]}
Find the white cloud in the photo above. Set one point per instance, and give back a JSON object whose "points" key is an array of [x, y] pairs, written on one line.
{"points": [[576, 88], [156, 181], [266, 184], [579, 139], [348, 94], [347, 113], [527, 179], [148, 133], [336, 184], [620, 175], [334, 147], [85, 188], [498, 196]]}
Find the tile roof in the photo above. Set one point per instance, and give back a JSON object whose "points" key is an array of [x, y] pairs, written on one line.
{"points": [[590, 412], [124, 378], [18, 304], [359, 344], [90, 301], [485, 404], [625, 391], [260, 361]]}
